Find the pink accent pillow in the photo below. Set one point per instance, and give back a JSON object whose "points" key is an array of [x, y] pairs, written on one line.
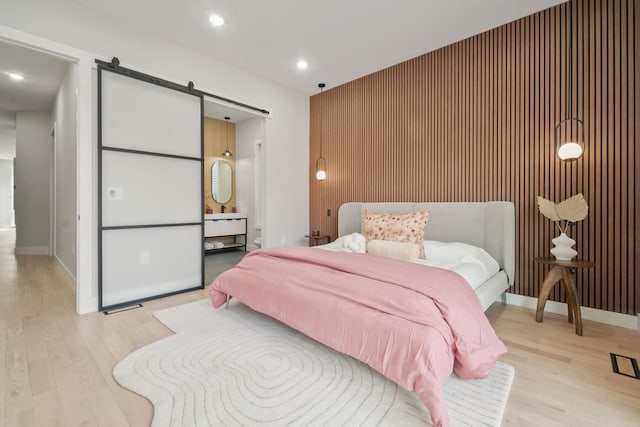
{"points": [[405, 227]]}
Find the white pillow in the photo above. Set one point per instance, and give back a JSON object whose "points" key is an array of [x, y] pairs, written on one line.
{"points": [[354, 242], [474, 264]]}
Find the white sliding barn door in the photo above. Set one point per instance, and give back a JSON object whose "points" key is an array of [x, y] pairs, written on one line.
{"points": [[150, 188]]}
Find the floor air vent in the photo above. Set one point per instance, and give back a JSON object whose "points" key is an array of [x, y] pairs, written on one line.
{"points": [[624, 365]]}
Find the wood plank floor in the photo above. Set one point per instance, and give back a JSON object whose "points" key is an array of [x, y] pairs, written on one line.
{"points": [[55, 365]]}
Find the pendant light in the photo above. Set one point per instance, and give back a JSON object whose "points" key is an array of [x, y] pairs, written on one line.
{"points": [[570, 148], [226, 152], [321, 163]]}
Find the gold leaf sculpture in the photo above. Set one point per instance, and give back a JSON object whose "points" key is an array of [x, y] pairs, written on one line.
{"points": [[565, 213]]}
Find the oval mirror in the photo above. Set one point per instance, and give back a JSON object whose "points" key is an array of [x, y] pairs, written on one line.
{"points": [[221, 181]]}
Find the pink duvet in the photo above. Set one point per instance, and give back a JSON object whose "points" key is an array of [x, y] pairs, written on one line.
{"points": [[412, 323]]}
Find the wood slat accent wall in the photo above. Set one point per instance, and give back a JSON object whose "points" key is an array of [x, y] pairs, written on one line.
{"points": [[473, 122]]}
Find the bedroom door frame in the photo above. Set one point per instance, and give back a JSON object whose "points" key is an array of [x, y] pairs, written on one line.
{"points": [[52, 194], [86, 279]]}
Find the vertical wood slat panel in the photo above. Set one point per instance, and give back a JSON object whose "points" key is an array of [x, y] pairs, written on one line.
{"points": [[474, 121]]}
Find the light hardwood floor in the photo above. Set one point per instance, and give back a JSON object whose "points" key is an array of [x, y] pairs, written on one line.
{"points": [[55, 366]]}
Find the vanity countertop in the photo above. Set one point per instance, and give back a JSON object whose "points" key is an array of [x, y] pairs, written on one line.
{"points": [[230, 215]]}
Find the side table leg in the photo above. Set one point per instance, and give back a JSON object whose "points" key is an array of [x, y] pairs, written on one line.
{"points": [[572, 300], [554, 275]]}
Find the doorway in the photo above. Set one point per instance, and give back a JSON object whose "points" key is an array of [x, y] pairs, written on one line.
{"points": [[247, 159], [38, 109]]}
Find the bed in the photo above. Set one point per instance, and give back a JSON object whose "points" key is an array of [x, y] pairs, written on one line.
{"points": [[413, 323], [487, 225]]}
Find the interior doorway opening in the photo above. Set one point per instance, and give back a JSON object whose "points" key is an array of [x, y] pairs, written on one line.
{"points": [[248, 177], [38, 135]]}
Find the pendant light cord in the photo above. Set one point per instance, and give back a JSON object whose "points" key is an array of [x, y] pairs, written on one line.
{"points": [[569, 59], [321, 85]]}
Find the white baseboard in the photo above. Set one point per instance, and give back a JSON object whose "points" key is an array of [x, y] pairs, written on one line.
{"points": [[32, 250], [609, 317], [64, 267], [90, 306]]}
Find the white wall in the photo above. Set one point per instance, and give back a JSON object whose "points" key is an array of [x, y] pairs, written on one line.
{"points": [[63, 116], [7, 135], [7, 154], [68, 25], [6, 199], [248, 133], [33, 156]]}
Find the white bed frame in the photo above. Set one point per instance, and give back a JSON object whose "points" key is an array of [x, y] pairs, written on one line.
{"points": [[488, 225]]}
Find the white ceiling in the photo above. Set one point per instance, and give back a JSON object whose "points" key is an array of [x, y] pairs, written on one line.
{"points": [[42, 73], [341, 39], [219, 110]]}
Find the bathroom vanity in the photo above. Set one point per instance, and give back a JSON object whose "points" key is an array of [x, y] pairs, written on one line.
{"points": [[227, 228]]}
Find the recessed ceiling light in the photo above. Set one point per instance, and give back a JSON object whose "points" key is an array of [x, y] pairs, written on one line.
{"points": [[302, 64], [16, 76], [216, 20]]}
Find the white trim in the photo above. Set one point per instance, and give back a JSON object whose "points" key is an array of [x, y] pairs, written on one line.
{"points": [[258, 188], [217, 101], [32, 250], [86, 248], [52, 193], [609, 317], [64, 267]]}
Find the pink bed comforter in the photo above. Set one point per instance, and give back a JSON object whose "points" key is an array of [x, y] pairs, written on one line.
{"points": [[412, 323]]}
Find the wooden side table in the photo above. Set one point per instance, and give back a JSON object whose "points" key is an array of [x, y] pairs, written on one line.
{"points": [[561, 272], [317, 240]]}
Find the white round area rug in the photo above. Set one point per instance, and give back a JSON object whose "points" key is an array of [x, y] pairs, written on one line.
{"points": [[237, 367]]}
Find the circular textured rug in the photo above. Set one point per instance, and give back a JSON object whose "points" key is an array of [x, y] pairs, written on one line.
{"points": [[237, 367]]}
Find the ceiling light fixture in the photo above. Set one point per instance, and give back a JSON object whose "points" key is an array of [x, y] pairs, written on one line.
{"points": [[302, 64], [216, 20], [226, 152], [321, 163], [16, 76]]}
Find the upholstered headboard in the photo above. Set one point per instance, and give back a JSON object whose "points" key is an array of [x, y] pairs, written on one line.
{"points": [[489, 225]]}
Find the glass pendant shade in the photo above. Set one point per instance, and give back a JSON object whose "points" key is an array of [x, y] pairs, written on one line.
{"points": [[565, 135], [570, 151], [321, 169]]}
